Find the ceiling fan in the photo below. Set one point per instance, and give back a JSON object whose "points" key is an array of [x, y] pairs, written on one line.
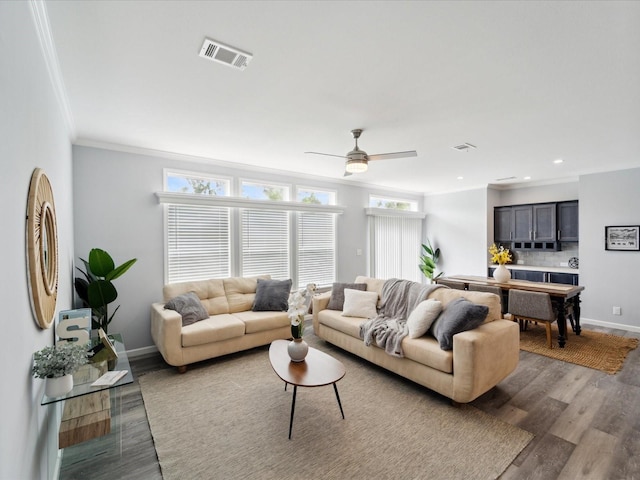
{"points": [[358, 160]]}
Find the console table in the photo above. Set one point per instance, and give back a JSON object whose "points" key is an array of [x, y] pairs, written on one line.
{"points": [[566, 298], [87, 411]]}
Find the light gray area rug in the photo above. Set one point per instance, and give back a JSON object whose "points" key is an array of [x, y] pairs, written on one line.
{"points": [[228, 418]]}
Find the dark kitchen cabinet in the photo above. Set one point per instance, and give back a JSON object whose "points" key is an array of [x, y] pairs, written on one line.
{"points": [[522, 223], [536, 276], [566, 278], [544, 222], [502, 224], [567, 213], [531, 275]]}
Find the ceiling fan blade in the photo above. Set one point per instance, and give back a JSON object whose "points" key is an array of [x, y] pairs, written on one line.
{"points": [[389, 156], [347, 174], [326, 154]]}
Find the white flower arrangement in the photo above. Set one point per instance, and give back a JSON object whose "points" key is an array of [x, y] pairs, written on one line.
{"points": [[299, 302]]}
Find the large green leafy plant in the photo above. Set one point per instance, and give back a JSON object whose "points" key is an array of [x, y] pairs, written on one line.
{"points": [[429, 260], [96, 289]]}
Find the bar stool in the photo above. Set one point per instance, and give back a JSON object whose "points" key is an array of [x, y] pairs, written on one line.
{"points": [[490, 289], [532, 307], [452, 284]]}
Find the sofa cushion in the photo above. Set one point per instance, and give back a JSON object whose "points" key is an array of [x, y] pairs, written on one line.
{"points": [[241, 292], [336, 302], [261, 321], [272, 295], [458, 316], [189, 307], [347, 325], [373, 285], [210, 292], [213, 329], [358, 303], [491, 300], [422, 317], [426, 351]]}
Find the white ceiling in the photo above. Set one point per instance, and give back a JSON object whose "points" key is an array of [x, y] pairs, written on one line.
{"points": [[526, 82]]}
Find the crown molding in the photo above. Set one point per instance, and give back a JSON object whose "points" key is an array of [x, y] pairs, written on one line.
{"points": [[41, 21]]}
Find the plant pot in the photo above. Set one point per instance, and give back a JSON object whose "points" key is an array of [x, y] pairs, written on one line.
{"points": [[58, 386], [297, 350], [502, 274]]}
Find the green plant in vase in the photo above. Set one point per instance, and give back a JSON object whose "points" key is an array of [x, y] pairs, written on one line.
{"points": [[429, 260], [96, 289]]}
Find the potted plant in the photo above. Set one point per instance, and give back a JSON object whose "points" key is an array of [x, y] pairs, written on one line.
{"points": [[429, 260], [57, 364], [500, 255], [96, 289]]}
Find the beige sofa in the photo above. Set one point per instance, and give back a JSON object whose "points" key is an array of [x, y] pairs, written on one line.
{"points": [[480, 358], [231, 327]]}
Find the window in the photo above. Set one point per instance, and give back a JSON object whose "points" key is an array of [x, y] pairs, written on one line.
{"points": [[261, 191], [196, 183], [395, 236], [210, 234], [198, 236], [392, 203]]}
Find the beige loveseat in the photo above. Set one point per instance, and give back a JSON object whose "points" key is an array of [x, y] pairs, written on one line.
{"points": [[480, 358], [231, 327]]}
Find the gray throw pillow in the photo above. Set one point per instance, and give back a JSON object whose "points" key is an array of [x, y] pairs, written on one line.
{"points": [[189, 306], [336, 302], [272, 295], [458, 316]]}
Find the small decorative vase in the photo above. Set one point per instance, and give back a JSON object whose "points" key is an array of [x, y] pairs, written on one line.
{"points": [[297, 350], [502, 274], [58, 386]]}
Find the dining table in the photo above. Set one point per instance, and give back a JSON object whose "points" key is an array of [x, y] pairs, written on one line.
{"points": [[565, 298]]}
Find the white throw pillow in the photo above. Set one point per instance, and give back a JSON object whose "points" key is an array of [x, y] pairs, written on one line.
{"points": [[422, 317], [359, 303]]}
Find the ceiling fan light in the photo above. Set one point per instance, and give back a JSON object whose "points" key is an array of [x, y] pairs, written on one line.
{"points": [[356, 166]]}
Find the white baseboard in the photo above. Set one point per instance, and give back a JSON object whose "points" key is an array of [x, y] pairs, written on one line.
{"points": [[139, 352], [600, 323]]}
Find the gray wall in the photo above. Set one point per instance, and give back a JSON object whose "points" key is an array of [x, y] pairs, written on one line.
{"points": [[610, 277], [115, 209], [33, 133]]}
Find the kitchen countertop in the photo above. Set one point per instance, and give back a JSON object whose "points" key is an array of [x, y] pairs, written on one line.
{"points": [[510, 266]]}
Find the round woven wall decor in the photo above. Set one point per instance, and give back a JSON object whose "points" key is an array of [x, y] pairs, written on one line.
{"points": [[42, 249]]}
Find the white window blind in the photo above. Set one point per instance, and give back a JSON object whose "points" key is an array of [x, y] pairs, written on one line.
{"points": [[316, 248], [265, 243], [197, 242], [395, 247]]}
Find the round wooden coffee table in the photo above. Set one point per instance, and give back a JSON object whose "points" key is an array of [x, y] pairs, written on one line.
{"points": [[317, 369]]}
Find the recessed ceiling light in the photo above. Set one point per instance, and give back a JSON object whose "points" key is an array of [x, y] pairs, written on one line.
{"points": [[460, 178], [558, 160], [527, 177]]}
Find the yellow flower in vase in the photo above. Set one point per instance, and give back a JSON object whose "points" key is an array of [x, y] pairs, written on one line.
{"points": [[499, 255]]}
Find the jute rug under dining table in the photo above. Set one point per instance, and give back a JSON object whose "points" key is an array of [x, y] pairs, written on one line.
{"points": [[593, 349], [228, 418]]}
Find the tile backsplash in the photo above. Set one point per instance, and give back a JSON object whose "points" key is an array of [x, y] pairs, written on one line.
{"points": [[546, 259]]}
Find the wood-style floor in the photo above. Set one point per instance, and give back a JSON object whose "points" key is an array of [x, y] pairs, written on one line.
{"points": [[586, 423]]}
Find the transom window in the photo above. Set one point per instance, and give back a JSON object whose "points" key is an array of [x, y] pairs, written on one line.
{"points": [[392, 203], [196, 183], [264, 191]]}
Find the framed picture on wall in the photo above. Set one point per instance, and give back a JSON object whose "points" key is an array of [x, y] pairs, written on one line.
{"points": [[625, 238]]}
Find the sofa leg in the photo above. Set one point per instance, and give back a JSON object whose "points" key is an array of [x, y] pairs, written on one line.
{"points": [[182, 369], [455, 404]]}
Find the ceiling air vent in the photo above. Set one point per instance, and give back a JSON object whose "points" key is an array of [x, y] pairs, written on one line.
{"points": [[221, 53], [464, 147]]}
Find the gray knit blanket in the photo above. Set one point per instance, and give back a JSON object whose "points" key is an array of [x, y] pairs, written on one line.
{"points": [[398, 299]]}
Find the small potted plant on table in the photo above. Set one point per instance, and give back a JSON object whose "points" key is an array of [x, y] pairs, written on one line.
{"points": [[57, 364]]}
